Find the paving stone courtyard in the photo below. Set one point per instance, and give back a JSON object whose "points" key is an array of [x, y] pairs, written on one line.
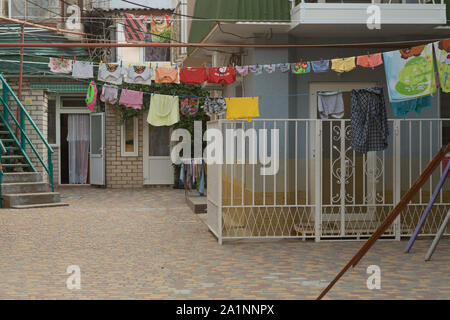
{"points": [[147, 244]]}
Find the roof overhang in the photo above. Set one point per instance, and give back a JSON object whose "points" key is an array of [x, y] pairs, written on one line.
{"points": [[239, 32]]}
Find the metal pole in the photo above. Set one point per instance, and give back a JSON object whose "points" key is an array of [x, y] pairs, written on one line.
{"points": [[437, 237], [428, 208], [206, 45], [19, 113]]}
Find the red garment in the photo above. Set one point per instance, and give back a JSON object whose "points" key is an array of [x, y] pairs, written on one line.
{"points": [[193, 75], [221, 75]]}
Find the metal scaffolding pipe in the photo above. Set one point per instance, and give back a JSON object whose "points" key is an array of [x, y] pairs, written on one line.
{"points": [[204, 45]]}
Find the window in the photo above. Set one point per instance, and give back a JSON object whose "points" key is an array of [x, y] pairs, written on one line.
{"points": [[129, 138], [51, 120], [72, 102], [39, 9], [158, 141], [158, 30]]}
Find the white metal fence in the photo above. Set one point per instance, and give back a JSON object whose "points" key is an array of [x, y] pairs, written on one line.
{"points": [[323, 188]]}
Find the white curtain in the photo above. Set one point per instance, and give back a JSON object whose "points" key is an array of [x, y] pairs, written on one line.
{"points": [[78, 138]]}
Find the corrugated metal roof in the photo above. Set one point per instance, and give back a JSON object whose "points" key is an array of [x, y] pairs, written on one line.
{"points": [[248, 10], [8, 34]]}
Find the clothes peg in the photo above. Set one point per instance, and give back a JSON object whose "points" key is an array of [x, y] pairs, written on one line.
{"points": [[101, 62], [62, 58], [129, 65]]}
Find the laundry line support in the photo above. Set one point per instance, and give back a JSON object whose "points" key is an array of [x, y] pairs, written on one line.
{"points": [[428, 208], [437, 237]]}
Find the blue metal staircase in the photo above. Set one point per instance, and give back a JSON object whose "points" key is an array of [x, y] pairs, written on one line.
{"points": [[19, 179]]}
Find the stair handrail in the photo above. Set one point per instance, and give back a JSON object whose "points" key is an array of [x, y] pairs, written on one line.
{"points": [[2, 149], [24, 114]]}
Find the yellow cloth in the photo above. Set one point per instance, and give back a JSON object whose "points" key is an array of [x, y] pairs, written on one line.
{"points": [[343, 65], [241, 108], [163, 110]]}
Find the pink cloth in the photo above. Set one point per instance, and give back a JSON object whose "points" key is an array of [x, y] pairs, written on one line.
{"points": [[243, 71], [132, 99]]}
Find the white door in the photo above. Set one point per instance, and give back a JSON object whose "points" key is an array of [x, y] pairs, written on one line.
{"points": [[158, 169], [97, 154]]}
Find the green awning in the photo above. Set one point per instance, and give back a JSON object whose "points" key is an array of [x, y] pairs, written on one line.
{"points": [[61, 87], [248, 10]]}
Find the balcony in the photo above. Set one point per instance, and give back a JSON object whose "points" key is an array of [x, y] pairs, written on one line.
{"points": [[351, 17]]}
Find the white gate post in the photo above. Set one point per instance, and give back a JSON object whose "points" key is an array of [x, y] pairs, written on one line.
{"points": [[318, 181], [397, 183], [219, 196]]}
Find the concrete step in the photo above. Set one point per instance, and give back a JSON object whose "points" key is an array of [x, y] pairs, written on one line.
{"points": [[197, 203], [41, 205], [13, 156], [15, 165], [17, 199], [11, 177], [24, 187]]}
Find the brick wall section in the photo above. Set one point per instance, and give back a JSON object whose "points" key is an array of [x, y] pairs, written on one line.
{"points": [[121, 172]]}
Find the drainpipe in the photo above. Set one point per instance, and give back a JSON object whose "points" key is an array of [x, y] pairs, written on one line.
{"points": [[19, 113], [184, 36]]}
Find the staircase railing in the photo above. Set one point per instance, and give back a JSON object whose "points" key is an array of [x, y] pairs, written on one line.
{"points": [[24, 139]]}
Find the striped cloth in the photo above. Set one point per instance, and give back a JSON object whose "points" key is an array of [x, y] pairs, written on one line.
{"points": [[135, 27]]}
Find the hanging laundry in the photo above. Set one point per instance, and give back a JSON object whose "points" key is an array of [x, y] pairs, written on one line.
{"points": [[163, 110], [369, 127], [301, 67], [330, 105], [221, 75], [166, 75], [320, 65], [201, 188], [83, 70], [137, 74], [135, 27], [60, 65], [189, 105], [370, 60], [401, 108], [243, 71], [410, 72], [109, 94], [341, 65], [160, 28], [269, 68], [284, 67], [191, 75], [215, 106], [111, 73], [256, 69], [181, 179], [91, 96], [242, 108], [442, 50], [131, 99]]}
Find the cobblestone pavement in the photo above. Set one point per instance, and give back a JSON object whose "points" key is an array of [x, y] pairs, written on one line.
{"points": [[146, 244]]}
